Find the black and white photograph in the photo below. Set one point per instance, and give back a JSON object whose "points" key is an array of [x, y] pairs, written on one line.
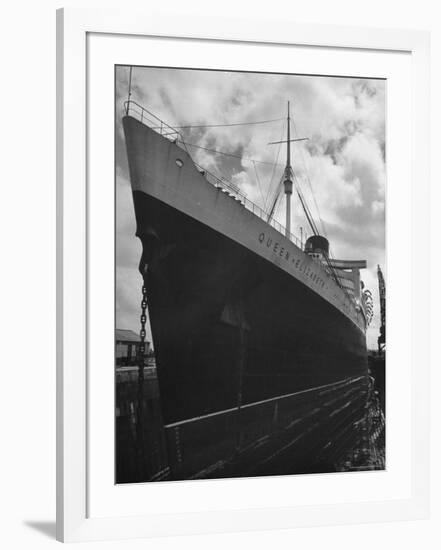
{"points": [[250, 274], [207, 210]]}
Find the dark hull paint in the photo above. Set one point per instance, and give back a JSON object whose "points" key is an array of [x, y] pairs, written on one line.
{"points": [[258, 373], [230, 328]]}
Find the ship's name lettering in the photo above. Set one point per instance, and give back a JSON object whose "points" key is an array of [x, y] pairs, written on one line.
{"points": [[301, 266]]}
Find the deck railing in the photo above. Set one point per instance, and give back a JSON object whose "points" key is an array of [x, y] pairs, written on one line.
{"points": [[134, 109]]}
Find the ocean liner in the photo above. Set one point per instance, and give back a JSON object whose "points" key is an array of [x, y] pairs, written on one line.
{"points": [[260, 339]]}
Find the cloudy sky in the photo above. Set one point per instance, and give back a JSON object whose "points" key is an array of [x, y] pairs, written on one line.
{"points": [[340, 169]]}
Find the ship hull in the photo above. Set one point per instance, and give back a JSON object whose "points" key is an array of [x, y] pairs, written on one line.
{"points": [[252, 362]]}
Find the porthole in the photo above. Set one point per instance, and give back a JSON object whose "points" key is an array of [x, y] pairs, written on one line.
{"points": [[180, 163]]}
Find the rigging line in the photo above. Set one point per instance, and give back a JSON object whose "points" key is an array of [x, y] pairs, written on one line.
{"points": [[331, 268], [310, 184], [337, 280], [226, 125], [276, 163], [221, 177], [275, 194], [305, 206], [276, 207], [307, 213], [276, 213], [223, 153], [130, 90], [130, 83], [328, 258], [275, 199], [260, 187]]}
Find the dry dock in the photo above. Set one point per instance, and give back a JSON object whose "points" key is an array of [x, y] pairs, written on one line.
{"points": [[328, 430]]}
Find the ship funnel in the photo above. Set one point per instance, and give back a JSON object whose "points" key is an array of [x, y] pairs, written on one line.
{"points": [[317, 244]]}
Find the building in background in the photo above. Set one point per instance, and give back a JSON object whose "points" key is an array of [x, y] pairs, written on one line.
{"points": [[126, 347]]}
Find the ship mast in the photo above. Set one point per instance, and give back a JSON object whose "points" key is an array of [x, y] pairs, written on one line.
{"points": [[288, 175], [287, 183]]}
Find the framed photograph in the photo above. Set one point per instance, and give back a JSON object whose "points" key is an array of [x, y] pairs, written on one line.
{"points": [[236, 211]]}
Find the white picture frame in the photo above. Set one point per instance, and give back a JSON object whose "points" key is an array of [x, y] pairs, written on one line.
{"points": [[75, 522]]}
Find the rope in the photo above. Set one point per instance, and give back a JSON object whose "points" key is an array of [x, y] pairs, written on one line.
{"points": [[260, 187], [305, 206], [276, 163], [275, 199], [310, 184], [227, 125], [225, 154]]}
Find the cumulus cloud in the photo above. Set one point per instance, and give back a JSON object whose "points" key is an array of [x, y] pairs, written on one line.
{"points": [[340, 169]]}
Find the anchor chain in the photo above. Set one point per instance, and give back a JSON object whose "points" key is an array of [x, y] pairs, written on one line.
{"points": [[143, 319], [140, 407]]}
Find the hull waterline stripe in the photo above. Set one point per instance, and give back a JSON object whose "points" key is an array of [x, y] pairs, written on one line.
{"points": [[248, 405]]}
